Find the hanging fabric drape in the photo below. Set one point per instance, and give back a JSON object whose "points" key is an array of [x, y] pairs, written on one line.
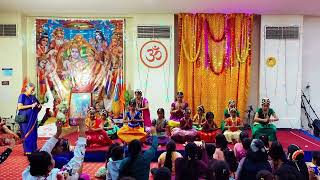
{"points": [[214, 60]]}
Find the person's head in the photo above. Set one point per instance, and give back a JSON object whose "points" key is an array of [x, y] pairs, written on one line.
{"points": [[316, 158], [179, 96], [61, 146], [132, 105], [117, 153], [99, 36], [246, 142], [295, 153], [219, 170], [138, 94], [97, 106], [257, 151], [231, 160], [265, 140], [210, 148], [265, 103], [92, 113], [75, 51], [209, 117], [134, 148], [43, 41], [277, 153], [200, 109], [191, 151], [41, 163], [170, 147], [221, 142], [233, 112], [187, 113], [231, 104], [160, 113], [162, 173], [243, 135], [264, 175], [103, 113], [287, 173], [29, 89]]}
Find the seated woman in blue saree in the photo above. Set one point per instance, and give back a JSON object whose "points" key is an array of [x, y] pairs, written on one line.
{"points": [[262, 121], [29, 106]]}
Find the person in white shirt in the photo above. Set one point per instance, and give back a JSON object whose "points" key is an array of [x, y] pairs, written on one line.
{"points": [[42, 164]]}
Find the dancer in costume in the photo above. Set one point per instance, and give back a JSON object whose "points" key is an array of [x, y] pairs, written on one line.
{"points": [[231, 104], [133, 130], [184, 132], [109, 126], [232, 125], [177, 110], [209, 128], [262, 121], [95, 132], [143, 107], [29, 107], [199, 118], [161, 127]]}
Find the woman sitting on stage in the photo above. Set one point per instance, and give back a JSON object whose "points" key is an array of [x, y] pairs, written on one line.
{"points": [[109, 126], [209, 129], [232, 125], [177, 110], [262, 121], [95, 132], [199, 118], [184, 132], [133, 130], [161, 127]]}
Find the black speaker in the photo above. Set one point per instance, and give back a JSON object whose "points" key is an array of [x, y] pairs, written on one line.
{"points": [[316, 127]]}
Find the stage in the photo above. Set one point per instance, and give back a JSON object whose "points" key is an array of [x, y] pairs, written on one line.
{"points": [[12, 168]]}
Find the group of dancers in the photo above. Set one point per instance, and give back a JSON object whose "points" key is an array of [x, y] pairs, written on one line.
{"points": [[181, 127]]}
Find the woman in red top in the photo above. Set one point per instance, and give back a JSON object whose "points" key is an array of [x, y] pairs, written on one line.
{"points": [[95, 132], [184, 132]]}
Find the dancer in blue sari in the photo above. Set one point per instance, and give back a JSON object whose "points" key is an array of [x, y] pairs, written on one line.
{"points": [[29, 106]]}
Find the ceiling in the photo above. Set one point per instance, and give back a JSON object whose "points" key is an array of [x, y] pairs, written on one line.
{"points": [[38, 7]]}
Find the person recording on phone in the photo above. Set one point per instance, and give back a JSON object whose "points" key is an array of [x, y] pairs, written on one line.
{"points": [[28, 109]]}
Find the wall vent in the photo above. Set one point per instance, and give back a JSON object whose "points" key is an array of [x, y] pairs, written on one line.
{"points": [[154, 32], [287, 32], [8, 30]]}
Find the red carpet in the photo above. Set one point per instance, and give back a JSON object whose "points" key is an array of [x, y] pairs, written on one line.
{"points": [[12, 168]]}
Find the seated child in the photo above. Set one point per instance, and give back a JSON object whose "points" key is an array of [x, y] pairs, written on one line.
{"points": [[184, 132], [233, 123], [314, 165], [109, 126], [199, 118], [132, 130], [209, 129], [160, 125], [95, 132], [61, 153]]}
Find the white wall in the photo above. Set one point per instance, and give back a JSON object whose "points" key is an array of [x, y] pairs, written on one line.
{"points": [[311, 64], [282, 83]]}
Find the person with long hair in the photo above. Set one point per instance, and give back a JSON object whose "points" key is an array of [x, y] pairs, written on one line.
{"points": [[137, 164], [199, 118], [143, 106], [219, 171], [221, 146], [190, 167], [178, 108], [161, 127], [29, 107], [238, 148], [168, 158], [296, 159], [209, 129]]}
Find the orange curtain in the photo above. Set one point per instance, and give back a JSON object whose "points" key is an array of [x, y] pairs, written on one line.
{"points": [[214, 60]]}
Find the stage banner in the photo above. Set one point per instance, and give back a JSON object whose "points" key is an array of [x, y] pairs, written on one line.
{"points": [[79, 56]]}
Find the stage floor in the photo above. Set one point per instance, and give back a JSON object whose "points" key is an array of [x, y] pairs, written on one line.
{"points": [[12, 168]]}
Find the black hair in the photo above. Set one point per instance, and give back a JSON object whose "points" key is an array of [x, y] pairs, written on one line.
{"points": [[179, 93], [210, 148], [209, 114], [160, 110], [101, 35], [316, 157], [246, 143], [243, 135], [138, 92], [39, 163], [162, 173], [45, 35], [134, 149], [189, 167], [117, 153], [265, 140], [276, 152], [265, 175], [219, 170], [260, 155], [64, 143], [170, 147], [231, 160], [133, 103], [221, 142]]}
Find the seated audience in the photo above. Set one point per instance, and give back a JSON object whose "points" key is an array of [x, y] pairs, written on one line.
{"points": [[190, 167], [314, 166], [42, 164], [232, 162], [199, 118], [167, 159], [239, 149], [221, 146], [113, 166], [255, 161], [137, 164], [296, 159], [133, 129], [61, 153], [232, 126], [162, 173], [264, 175], [219, 171], [209, 129], [184, 133]]}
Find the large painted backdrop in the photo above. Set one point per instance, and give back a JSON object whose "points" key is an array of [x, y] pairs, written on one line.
{"points": [[80, 56]]}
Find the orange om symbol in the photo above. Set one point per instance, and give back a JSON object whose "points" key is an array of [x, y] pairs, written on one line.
{"points": [[154, 53]]}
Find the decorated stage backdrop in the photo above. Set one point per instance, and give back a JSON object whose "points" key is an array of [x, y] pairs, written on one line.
{"points": [[83, 58]]}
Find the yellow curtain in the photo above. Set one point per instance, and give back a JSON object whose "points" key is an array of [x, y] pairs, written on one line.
{"points": [[223, 73]]}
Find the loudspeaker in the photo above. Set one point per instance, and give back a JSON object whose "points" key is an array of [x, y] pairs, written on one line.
{"points": [[316, 127]]}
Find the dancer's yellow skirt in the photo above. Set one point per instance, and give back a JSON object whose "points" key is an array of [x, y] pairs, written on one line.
{"points": [[127, 134], [173, 124]]}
